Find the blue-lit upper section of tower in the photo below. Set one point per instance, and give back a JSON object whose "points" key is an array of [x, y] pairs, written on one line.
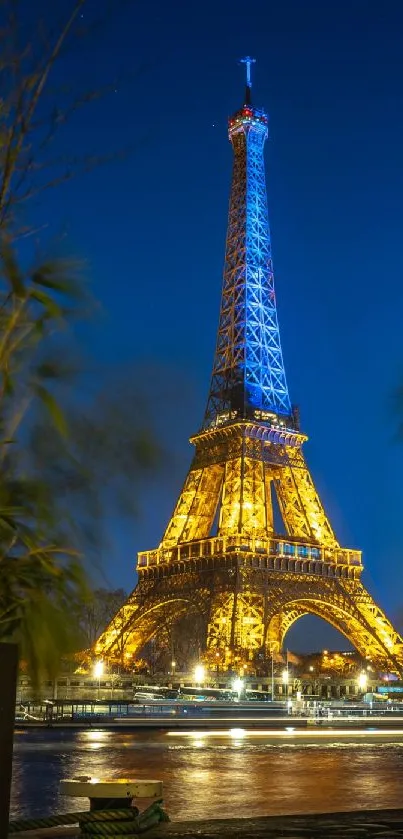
{"points": [[248, 380]]}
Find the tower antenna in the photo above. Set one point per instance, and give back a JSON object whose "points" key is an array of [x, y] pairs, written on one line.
{"points": [[248, 61]]}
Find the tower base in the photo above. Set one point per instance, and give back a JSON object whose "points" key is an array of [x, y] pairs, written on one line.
{"points": [[249, 595]]}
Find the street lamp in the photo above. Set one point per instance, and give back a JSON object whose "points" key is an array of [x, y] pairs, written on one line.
{"points": [[272, 671], [285, 678], [173, 665], [237, 686], [98, 671], [362, 681], [200, 672]]}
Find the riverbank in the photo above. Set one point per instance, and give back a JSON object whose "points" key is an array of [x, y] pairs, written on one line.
{"points": [[387, 824], [220, 723]]}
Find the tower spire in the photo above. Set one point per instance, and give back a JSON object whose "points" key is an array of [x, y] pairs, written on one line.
{"points": [[248, 61], [248, 372]]}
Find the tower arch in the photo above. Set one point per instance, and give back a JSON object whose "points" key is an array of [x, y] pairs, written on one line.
{"points": [[372, 644]]}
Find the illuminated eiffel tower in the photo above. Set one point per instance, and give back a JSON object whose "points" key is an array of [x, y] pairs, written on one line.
{"points": [[249, 582]]}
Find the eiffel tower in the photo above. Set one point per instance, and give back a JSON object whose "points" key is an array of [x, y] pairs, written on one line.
{"points": [[220, 555]]}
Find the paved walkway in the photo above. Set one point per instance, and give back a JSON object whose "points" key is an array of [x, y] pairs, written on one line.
{"points": [[372, 824]]}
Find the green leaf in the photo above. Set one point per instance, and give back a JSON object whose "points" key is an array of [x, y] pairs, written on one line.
{"points": [[58, 276], [52, 308], [10, 268], [8, 387], [54, 409]]}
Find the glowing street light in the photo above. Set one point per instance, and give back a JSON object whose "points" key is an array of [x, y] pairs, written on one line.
{"points": [[200, 672], [362, 681], [237, 686], [98, 669], [173, 665], [98, 672], [285, 677]]}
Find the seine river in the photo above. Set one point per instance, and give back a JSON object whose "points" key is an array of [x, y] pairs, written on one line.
{"points": [[212, 777]]}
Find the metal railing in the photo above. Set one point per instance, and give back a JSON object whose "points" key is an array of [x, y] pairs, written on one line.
{"points": [[245, 545]]}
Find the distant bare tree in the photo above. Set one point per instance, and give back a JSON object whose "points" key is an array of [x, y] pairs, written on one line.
{"points": [[183, 642], [98, 611], [32, 112]]}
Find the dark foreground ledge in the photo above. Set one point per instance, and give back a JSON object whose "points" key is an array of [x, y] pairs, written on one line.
{"points": [[387, 824]]}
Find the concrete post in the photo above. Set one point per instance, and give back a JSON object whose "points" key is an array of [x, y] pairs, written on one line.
{"points": [[8, 693]]}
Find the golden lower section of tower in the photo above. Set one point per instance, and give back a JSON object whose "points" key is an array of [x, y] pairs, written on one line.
{"points": [[249, 593], [247, 585]]}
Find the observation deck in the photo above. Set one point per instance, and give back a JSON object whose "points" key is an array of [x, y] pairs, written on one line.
{"points": [[246, 116], [276, 554]]}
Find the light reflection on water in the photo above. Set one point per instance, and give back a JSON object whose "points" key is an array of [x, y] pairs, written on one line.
{"points": [[207, 778]]}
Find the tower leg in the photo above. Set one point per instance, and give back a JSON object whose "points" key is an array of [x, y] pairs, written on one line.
{"points": [[195, 510], [274, 640], [301, 508], [234, 615]]}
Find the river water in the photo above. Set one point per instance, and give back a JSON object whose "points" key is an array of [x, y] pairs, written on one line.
{"points": [[209, 776]]}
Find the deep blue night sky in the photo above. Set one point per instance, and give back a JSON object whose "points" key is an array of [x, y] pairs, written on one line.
{"points": [[153, 229]]}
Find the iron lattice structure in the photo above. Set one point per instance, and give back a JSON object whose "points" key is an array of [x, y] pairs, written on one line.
{"points": [[248, 371], [248, 582]]}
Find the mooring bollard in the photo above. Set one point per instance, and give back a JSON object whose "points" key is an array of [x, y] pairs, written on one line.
{"points": [[112, 811], [105, 795]]}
